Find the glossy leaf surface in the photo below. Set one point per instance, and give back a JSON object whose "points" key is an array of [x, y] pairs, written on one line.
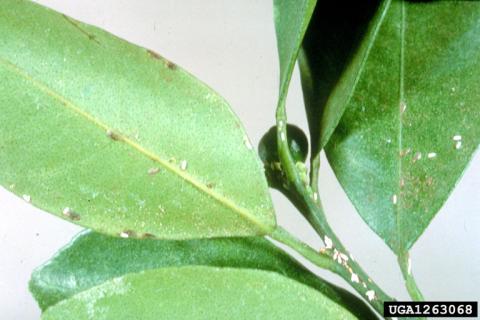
{"points": [[92, 259], [297, 143], [116, 138], [291, 22], [198, 293], [413, 121]]}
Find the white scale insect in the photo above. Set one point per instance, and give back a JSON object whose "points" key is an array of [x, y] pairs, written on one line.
{"points": [[370, 295], [183, 165]]}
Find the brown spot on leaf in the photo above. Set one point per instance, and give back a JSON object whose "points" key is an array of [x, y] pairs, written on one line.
{"points": [[170, 65], [114, 136], [148, 236], [210, 185]]}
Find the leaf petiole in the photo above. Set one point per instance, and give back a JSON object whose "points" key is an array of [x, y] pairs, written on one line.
{"points": [[310, 206], [405, 264]]}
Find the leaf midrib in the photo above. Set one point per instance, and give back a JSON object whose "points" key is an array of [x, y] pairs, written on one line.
{"points": [[401, 101], [401, 98], [242, 212], [284, 85]]}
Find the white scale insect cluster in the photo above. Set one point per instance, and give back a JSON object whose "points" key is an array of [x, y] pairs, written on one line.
{"points": [[458, 141], [340, 257]]}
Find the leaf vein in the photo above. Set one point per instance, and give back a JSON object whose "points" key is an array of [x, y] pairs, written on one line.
{"points": [[244, 213]]}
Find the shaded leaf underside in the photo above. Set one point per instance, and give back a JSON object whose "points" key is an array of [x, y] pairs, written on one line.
{"points": [[92, 259], [333, 55], [198, 293]]}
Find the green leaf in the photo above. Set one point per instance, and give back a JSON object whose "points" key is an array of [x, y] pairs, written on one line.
{"points": [[413, 122], [118, 139], [92, 259], [291, 21], [332, 57], [198, 293]]}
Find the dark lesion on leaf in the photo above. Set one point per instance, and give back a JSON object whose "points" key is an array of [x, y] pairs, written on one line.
{"points": [[77, 26], [210, 185], [169, 64], [113, 135]]}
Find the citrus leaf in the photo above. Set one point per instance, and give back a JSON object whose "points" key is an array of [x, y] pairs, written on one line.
{"points": [[413, 122], [332, 57], [198, 292], [92, 259], [291, 22], [118, 139]]}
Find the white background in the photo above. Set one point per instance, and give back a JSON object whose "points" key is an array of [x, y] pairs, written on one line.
{"points": [[230, 45]]}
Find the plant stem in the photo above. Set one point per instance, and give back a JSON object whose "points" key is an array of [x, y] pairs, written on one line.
{"points": [[406, 267], [320, 259], [309, 204], [325, 260], [314, 172]]}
